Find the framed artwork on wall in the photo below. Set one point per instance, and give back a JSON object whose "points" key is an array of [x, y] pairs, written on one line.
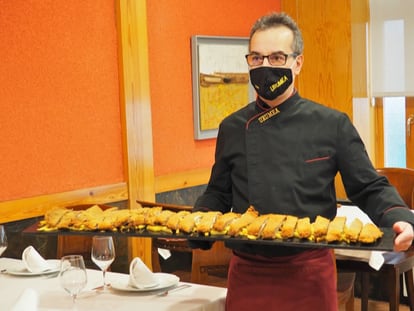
{"points": [[220, 81]]}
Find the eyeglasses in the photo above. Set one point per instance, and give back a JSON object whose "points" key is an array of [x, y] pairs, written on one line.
{"points": [[274, 59]]}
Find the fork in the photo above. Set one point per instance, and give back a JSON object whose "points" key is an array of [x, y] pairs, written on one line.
{"points": [[166, 292]]}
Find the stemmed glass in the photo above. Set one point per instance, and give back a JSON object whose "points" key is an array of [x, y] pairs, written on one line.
{"points": [[3, 239], [103, 254], [72, 275]]}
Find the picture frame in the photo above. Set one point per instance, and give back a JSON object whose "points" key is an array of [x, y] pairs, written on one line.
{"points": [[220, 81]]}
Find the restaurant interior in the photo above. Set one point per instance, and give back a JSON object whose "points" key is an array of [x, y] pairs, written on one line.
{"points": [[97, 108]]}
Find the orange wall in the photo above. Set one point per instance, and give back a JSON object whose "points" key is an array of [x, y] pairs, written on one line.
{"points": [[59, 96], [60, 124], [171, 23]]}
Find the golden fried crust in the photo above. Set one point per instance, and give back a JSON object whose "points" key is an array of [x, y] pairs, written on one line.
{"points": [[189, 222], [151, 214], [288, 227], [207, 221], [272, 227], [66, 220], [320, 227], [335, 229], [303, 228], [162, 218], [243, 221], [254, 229], [53, 216], [175, 219], [93, 210], [352, 232], [370, 233], [223, 221], [78, 221], [137, 219]]}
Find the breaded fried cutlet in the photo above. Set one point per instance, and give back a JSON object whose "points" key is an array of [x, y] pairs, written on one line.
{"points": [[254, 229], [288, 227], [272, 227], [352, 232], [189, 222], [222, 224], [207, 221], [303, 228], [243, 221], [160, 222], [370, 233], [335, 229], [53, 216], [320, 227], [174, 221]]}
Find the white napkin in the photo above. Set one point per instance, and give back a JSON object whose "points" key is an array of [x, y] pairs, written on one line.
{"points": [[140, 276], [33, 261], [27, 301], [376, 260]]}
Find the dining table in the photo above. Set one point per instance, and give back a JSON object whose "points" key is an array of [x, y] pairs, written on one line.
{"points": [[49, 294]]}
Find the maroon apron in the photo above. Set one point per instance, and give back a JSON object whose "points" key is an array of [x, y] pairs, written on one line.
{"points": [[306, 281]]}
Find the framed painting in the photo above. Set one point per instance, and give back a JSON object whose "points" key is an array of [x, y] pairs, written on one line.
{"points": [[220, 81]]}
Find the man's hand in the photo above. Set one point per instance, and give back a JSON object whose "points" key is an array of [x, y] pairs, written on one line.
{"points": [[405, 235]]}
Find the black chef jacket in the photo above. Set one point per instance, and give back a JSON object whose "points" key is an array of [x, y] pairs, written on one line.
{"points": [[284, 160]]}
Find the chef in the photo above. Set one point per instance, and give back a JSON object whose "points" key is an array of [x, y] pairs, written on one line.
{"points": [[281, 154]]}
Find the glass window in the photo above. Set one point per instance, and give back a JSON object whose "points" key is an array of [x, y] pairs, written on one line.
{"points": [[394, 132]]}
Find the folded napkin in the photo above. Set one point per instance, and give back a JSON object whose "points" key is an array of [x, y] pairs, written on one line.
{"points": [[33, 261], [140, 276], [27, 301]]}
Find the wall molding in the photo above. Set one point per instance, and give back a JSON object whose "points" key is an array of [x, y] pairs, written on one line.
{"points": [[36, 206]]}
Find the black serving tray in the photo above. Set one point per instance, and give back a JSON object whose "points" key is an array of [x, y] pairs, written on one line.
{"points": [[386, 243]]}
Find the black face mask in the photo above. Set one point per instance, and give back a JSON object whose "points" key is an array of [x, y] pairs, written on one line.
{"points": [[271, 82]]}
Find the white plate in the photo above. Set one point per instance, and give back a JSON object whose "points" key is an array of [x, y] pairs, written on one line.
{"points": [[20, 270], [165, 280]]}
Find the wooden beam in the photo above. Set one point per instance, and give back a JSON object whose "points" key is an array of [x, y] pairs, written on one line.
{"points": [[182, 180], [136, 110], [37, 206]]}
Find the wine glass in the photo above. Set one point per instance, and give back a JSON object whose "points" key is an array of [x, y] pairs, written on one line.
{"points": [[3, 239], [103, 254], [72, 275]]}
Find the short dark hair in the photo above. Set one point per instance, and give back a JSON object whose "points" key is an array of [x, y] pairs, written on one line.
{"points": [[280, 19]]}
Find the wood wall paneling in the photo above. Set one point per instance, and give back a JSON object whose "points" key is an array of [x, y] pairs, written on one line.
{"points": [[326, 76], [359, 29]]}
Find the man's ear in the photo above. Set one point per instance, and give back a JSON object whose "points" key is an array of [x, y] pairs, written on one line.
{"points": [[298, 64]]}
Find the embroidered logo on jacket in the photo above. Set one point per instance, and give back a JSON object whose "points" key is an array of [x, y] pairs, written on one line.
{"points": [[268, 115]]}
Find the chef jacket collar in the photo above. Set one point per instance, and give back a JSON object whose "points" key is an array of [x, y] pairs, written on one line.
{"points": [[261, 105]]}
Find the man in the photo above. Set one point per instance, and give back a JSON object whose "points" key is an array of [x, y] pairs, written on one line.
{"points": [[280, 154]]}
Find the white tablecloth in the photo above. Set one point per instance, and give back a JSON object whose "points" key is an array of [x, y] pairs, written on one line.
{"points": [[52, 297]]}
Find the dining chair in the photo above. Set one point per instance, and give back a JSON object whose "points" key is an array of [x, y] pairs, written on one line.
{"points": [[210, 265], [345, 284], [173, 245], [396, 264]]}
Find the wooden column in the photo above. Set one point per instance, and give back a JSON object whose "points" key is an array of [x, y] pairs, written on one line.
{"points": [[136, 105]]}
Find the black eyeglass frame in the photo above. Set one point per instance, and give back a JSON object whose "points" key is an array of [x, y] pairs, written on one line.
{"points": [[267, 56]]}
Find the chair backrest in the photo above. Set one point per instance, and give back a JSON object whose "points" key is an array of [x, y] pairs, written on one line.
{"points": [[210, 262], [403, 180]]}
